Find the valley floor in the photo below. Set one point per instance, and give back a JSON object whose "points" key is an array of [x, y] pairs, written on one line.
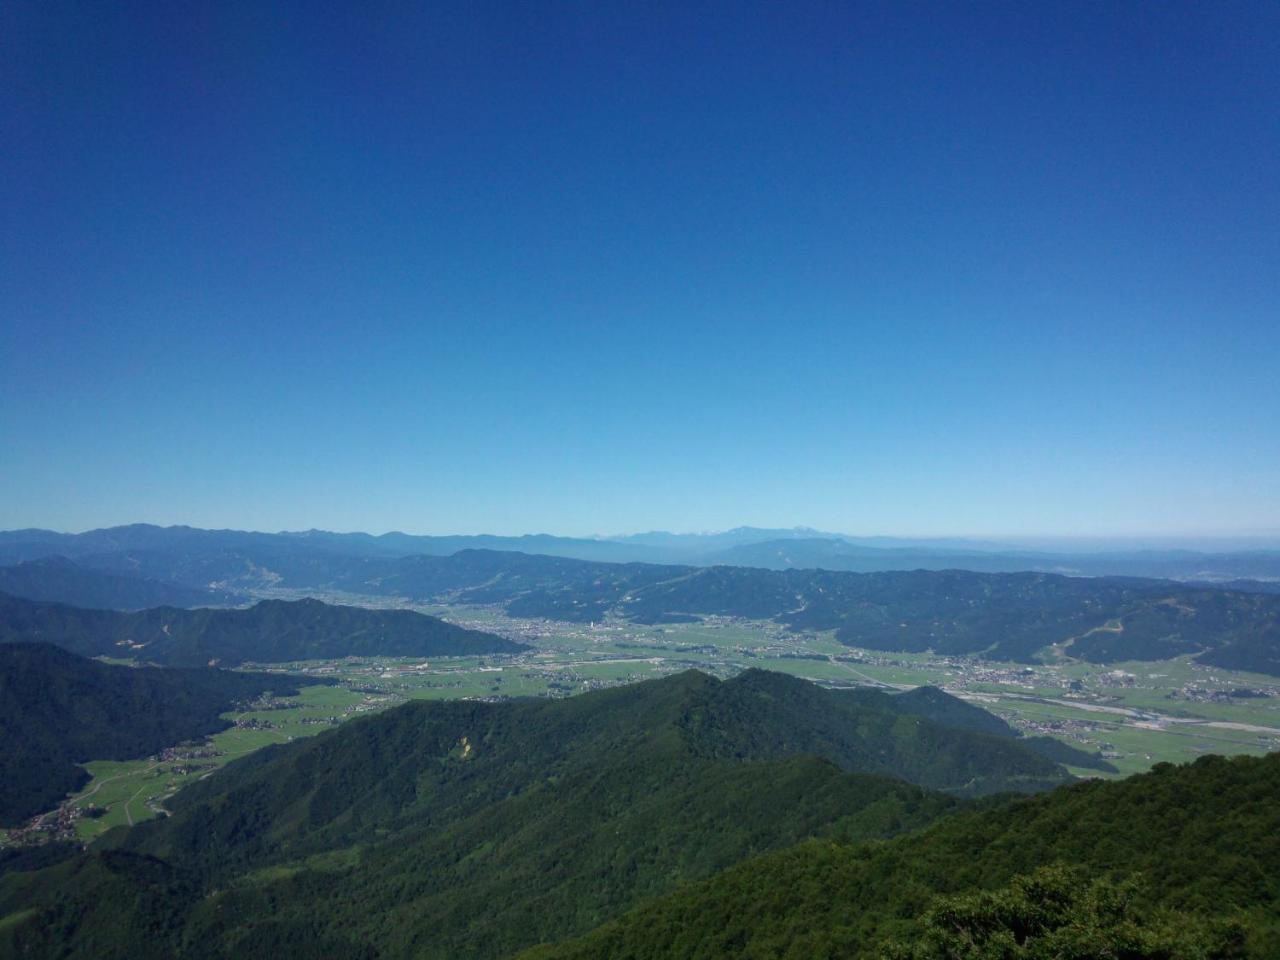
{"points": [[1136, 714]]}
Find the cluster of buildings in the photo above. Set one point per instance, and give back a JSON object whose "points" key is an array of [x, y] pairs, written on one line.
{"points": [[1195, 693], [253, 723], [56, 825]]}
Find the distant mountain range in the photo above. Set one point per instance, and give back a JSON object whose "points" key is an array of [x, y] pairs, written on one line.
{"points": [[58, 709], [997, 614], [1002, 616], [272, 631], [234, 560], [836, 554], [137, 546]]}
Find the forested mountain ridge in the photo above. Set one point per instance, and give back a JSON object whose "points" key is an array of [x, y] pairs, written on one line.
{"points": [[1204, 838], [58, 709], [59, 580], [270, 631], [312, 790], [1004, 616], [1001, 615], [399, 835], [944, 709]]}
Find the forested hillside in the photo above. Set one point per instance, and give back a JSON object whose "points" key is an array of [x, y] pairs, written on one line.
{"points": [[269, 632], [944, 709], [59, 580], [1204, 840], [467, 829], [58, 709]]}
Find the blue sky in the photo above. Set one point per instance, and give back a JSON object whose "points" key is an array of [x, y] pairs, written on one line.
{"points": [[916, 269]]}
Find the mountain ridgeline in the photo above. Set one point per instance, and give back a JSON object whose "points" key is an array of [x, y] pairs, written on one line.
{"points": [[58, 709], [397, 835], [60, 580], [1000, 615], [682, 817], [1203, 840], [240, 559], [272, 631], [944, 709], [1004, 616]]}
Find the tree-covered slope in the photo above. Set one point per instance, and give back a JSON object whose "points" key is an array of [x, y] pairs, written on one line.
{"points": [[438, 760], [942, 708], [761, 714], [59, 580], [1204, 837], [1060, 912], [469, 829], [58, 709], [269, 632]]}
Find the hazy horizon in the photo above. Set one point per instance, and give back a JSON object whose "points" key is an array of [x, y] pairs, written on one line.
{"points": [[1048, 543], [938, 271]]}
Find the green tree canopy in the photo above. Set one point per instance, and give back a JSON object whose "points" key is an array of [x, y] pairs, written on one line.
{"points": [[1059, 913]]}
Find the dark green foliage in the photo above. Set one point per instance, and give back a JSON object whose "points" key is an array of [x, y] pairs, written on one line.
{"points": [[942, 708], [1206, 838], [1256, 648], [1058, 913], [563, 856], [1054, 749], [468, 829], [678, 818], [761, 714], [58, 709], [93, 906], [269, 632], [36, 857], [379, 774]]}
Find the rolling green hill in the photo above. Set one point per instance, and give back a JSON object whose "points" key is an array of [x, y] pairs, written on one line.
{"points": [[58, 709], [269, 632], [469, 829]]}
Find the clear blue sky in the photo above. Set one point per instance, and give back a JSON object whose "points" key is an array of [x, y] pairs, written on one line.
{"points": [[902, 268]]}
